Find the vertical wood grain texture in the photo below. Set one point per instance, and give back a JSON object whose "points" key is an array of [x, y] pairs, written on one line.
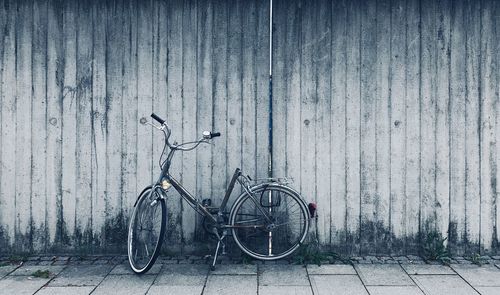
{"points": [[279, 85], [83, 195], [99, 122], [456, 231], [308, 101], [338, 197], [129, 106], [68, 171], [113, 121], [488, 99], [292, 122], [428, 117], [54, 122], [496, 48], [472, 127], [368, 91], [442, 141], [323, 68], [382, 128], [189, 111], [414, 121], [353, 117], [397, 66], [23, 99], [7, 188], [219, 94], [174, 105], [204, 99], [38, 127], [385, 113]]}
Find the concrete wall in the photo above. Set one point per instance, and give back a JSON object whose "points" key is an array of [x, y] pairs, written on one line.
{"points": [[384, 112], [388, 115], [78, 76]]}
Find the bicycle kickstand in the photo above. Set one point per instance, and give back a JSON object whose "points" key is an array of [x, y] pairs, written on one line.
{"points": [[220, 238]]}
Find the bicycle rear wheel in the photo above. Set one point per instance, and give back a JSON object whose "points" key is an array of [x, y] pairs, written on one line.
{"points": [[146, 230], [266, 240]]}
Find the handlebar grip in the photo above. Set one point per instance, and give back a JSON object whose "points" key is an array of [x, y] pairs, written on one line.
{"points": [[215, 134], [160, 120]]}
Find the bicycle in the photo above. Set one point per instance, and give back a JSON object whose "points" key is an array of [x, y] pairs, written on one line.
{"points": [[268, 220]]}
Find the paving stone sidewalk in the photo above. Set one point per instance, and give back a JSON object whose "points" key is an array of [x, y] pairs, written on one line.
{"points": [[404, 275]]}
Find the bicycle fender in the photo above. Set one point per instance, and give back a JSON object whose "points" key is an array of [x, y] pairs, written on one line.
{"points": [[274, 184], [145, 189]]}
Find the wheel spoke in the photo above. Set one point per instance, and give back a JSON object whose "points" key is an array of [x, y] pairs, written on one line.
{"points": [[269, 240], [146, 231]]}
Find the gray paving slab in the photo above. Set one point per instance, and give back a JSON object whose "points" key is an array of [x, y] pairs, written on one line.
{"points": [[235, 269], [396, 290], [337, 284], [81, 275], [182, 275], [285, 290], [5, 270], [383, 275], [489, 290], [427, 269], [231, 284], [84, 290], [485, 276], [21, 285], [283, 275], [28, 270], [184, 290], [443, 285], [125, 284], [124, 269], [331, 269]]}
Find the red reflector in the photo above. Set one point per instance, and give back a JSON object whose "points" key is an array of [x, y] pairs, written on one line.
{"points": [[312, 209]]}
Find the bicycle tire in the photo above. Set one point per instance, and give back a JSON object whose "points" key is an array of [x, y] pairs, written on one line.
{"points": [[242, 228], [143, 197]]}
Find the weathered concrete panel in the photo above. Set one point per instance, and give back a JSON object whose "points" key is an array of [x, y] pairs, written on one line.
{"points": [[385, 113], [412, 125]]}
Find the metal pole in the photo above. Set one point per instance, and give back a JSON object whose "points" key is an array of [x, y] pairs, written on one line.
{"points": [[270, 164]]}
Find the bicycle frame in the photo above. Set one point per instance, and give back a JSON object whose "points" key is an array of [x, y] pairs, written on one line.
{"points": [[188, 197], [184, 193], [218, 224]]}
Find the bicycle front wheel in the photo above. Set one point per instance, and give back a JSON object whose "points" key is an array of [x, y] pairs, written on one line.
{"points": [[269, 239], [146, 230]]}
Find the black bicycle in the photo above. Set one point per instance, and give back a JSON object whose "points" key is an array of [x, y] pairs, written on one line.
{"points": [[268, 221]]}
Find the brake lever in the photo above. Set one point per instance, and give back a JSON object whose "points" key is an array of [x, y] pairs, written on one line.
{"points": [[161, 128]]}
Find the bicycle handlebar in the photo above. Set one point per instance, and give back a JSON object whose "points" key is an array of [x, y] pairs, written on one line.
{"points": [[186, 146], [194, 144], [157, 118]]}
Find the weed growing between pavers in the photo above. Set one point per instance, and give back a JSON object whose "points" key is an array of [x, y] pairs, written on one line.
{"points": [[18, 258], [434, 248], [45, 274], [310, 254], [245, 259], [477, 259]]}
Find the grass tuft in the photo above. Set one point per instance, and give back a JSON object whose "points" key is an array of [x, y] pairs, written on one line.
{"points": [[45, 274], [434, 248]]}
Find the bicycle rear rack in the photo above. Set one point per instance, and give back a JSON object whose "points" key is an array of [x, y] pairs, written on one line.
{"points": [[280, 180]]}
